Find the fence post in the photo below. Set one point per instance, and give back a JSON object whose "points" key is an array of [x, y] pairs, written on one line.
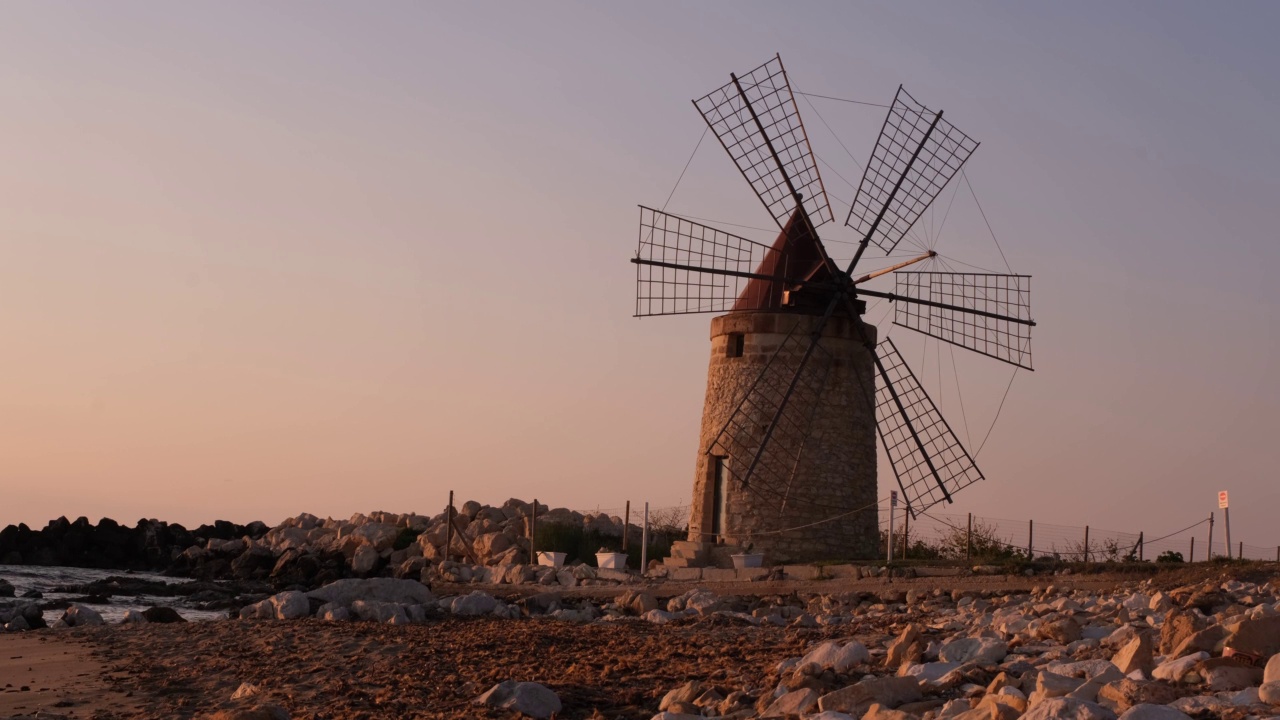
{"points": [[889, 544], [533, 529], [448, 527], [644, 542], [1086, 544], [1141, 546], [1240, 552], [906, 528], [1208, 555], [1031, 535], [1192, 557], [968, 551], [626, 525]]}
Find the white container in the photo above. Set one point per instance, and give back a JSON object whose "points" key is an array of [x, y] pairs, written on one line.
{"points": [[551, 559], [748, 560], [611, 560]]}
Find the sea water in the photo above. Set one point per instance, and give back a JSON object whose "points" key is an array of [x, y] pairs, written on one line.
{"points": [[44, 579]]}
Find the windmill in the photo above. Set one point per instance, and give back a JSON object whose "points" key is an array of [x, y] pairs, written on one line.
{"points": [[799, 385]]}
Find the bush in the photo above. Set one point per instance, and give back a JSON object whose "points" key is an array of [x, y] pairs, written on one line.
{"points": [[581, 545], [1170, 556]]}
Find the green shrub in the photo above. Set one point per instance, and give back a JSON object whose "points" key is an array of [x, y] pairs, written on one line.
{"points": [[1170, 556], [581, 545]]}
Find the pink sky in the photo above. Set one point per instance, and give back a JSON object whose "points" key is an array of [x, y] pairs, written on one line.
{"points": [[259, 260]]}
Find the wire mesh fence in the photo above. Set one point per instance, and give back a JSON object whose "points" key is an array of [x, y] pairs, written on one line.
{"points": [[953, 536], [941, 535]]}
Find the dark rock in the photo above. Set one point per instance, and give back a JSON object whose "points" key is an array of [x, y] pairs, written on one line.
{"points": [[256, 562], [92, 600], [150, 545], [160, 614], [6, 588]]}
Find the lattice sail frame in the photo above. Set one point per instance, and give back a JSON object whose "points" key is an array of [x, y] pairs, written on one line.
{"points": [[998, 294], [878, 212], [709, 258], [769, 94], [741, 437], [955, 468]]}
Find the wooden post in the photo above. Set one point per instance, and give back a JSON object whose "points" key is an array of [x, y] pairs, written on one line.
{"points": [[1209, 552], [906, 528], [968, 551], [1192, 557], [1031, 535], [889, 544], [533, 529], [1086, 544], [626, 525], [1240, 552], [644, 542], [448, 529]]}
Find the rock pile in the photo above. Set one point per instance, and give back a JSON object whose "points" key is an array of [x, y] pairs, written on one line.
{"points": [[1201, 650], [490, 543], [150, 545]]}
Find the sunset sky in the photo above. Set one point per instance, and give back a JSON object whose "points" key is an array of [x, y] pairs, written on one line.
{"points": [[259, 259]]}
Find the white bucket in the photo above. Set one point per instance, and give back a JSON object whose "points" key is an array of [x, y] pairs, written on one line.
{"points": [[611, 560], [551, 559], [748, 560]]}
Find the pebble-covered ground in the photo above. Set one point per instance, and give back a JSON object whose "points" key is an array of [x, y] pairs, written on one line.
{"points": [[1198, 643]]}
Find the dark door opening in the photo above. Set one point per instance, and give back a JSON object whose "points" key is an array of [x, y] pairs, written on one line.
{"points": [[719, 495]]}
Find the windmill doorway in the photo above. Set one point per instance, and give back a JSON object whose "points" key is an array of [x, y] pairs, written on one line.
{"points": [[719, 497]]}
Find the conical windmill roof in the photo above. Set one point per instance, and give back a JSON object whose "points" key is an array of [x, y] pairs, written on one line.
{"points": [[794, 255]]}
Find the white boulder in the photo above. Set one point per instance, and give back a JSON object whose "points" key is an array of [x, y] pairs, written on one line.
{"points": [[526, 698], [832, 655]]}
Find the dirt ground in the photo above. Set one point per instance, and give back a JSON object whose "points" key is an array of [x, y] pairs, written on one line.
{"points": [[321, 670]]}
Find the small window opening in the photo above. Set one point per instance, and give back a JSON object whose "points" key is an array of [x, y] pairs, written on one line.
{"points": [[735, 345]]}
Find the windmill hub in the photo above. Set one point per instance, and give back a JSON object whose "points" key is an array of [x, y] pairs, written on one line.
{"points": [[799, 386]]}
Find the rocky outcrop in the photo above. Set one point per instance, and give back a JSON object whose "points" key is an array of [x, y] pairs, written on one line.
{"points": [[149, 545]]}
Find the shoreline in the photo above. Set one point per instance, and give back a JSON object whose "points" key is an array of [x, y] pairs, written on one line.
{"points": [[61, 674]]}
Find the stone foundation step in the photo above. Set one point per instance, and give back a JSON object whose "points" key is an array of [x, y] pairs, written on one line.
{"points": [[695, 551]]}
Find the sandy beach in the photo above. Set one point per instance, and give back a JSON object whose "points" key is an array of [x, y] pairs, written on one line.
{"points": [[58, 673]]}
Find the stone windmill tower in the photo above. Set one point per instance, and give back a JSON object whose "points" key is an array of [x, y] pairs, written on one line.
{"points": [[799, 386]]}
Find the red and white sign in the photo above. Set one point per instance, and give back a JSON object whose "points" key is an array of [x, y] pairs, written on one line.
{"points": [[1222, 499]]}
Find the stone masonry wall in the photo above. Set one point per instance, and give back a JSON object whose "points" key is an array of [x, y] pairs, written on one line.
{"points": [[836, 473]]}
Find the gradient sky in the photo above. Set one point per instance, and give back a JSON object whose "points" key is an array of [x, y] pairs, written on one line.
{"points": [[257, 259]]}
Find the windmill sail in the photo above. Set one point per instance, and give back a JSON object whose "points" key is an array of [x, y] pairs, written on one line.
{"points": [[927, 457], [756, 119], [685, 267], [916, 155], [987, 313], [765, 435]]}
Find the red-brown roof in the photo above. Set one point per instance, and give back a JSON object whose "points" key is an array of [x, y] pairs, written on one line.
{"points": [[795, 256]]}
